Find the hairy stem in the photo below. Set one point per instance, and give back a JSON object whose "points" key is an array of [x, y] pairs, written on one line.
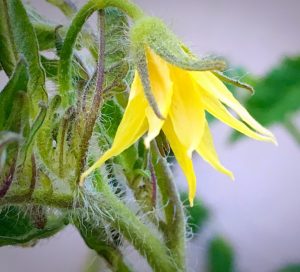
{"points": [[38, 198], [123, 219], [175, 229], [66, 54], [98, 97]]}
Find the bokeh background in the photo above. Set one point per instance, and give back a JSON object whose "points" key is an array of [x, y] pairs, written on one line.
{"points": [[259, 213]]}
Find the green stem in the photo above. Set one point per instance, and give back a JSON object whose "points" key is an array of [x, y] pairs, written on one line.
{"points": [[97, 99], [115, 260], [8, 54], [292, 129], [39, 198], [120, 217], [175, 230], [137, 233], [100, 240], [66, 54]]}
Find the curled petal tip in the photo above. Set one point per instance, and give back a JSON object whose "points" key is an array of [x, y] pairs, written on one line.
{"points": [[274, 141], [191, 200]]}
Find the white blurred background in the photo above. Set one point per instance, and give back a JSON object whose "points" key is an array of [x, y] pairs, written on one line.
{"points": [[259, 213]]}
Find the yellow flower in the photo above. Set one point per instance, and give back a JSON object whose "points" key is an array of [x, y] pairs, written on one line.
{"points": [[182, 97]]}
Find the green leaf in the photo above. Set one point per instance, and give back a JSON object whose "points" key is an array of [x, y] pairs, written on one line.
{"points": [[197, 215], [278, 91], [220, 256], [7, 49], [17, 82], [277, 95], [290, 268], [17, 227], [27, 45], [44, 29], [66, 6], [18, 119]]}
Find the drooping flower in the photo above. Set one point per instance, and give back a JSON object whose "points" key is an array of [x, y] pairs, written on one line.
{"points": [[183, 97]]}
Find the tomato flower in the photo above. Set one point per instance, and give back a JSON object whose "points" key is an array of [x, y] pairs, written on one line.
{"points": [[182, 97]]}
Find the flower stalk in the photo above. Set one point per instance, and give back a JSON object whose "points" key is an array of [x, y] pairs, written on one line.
{"points": [[175, 229], [93, 113]]}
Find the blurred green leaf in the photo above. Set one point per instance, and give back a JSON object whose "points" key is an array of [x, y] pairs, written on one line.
{"points": [[197, 215], [17, 82], [105, 242], [66, 6], [291, 268], [277, 95], [17, 227], [220, 256]]}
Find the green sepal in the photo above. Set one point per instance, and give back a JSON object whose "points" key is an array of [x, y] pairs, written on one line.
{"points": [[235, 82], [8, 54], [152, 32], [142, 67], [17, 82]]}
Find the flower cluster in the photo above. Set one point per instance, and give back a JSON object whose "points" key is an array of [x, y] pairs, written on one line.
{"points": [[172, 91]]}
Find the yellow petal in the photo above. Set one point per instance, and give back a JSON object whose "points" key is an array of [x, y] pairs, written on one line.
{"points": [[187, 112], [215, 87], [133, 125], [161, 86], [182, 158], [207, 151], [216, 108]]}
